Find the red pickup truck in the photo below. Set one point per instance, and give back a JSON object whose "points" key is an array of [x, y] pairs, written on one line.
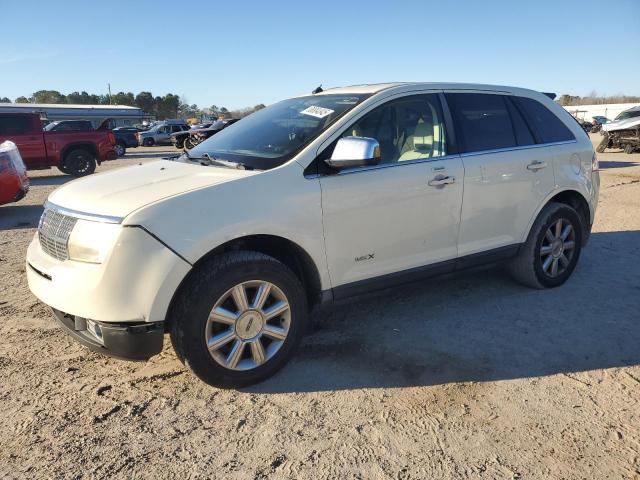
{"points": [[73, 152]]}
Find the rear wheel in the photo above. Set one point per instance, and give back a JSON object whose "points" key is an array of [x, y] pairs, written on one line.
{"points": [[120, 149], [552, 249], [238, 319], [188, 144], [79, 162], [179, 143], [629, 149]]}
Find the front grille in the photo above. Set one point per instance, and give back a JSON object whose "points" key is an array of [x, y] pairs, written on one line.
{"points": [[54, 231]]}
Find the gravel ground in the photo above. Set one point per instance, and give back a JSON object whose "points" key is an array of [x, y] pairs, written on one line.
{"points": [[471, 376]]}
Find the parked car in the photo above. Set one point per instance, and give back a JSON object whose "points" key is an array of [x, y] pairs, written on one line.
{"points": [[623, 132], [69, 126], [313, 199], [199, 136], [126, 137], [14, 183], [160, 134], [597, 122], [189, 138], [74, 152]]}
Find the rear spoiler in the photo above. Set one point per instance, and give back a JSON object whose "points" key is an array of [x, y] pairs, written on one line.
{"points": [[552, 96]]}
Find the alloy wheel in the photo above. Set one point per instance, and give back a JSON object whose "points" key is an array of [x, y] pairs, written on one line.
{"points": [[557, 248], [247, 325]]}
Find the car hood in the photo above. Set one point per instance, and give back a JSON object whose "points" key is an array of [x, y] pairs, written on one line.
{"points": [[120, 192], [621, 124]]}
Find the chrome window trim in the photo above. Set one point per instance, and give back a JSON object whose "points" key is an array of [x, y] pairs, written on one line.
{"points": [[348, 171], [511, 149], [81, 215]]}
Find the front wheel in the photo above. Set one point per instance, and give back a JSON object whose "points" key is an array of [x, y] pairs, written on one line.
{"points": [[238, 319], [552, 249], [603, 144], [188, 144]]}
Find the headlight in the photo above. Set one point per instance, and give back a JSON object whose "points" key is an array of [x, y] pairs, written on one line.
{"points": [[92, 241]]}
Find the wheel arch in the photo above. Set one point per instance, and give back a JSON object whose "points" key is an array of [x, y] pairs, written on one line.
{"points": [[573, 198], [282, 249], [84, 145]]}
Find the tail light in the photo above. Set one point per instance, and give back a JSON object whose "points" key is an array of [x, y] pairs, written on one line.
{"points": [[595, 166], [138, 136], [112, 138]]}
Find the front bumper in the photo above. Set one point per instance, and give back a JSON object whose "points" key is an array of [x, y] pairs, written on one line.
{"points": [[135, 283], [125, 341]]}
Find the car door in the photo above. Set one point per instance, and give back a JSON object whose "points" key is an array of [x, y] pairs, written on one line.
{"points": [[19, 128], [507, 174], [401, 216], [163, 134]]}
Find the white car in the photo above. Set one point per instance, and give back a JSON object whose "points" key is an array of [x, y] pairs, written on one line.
{"points": [[315, 198]]}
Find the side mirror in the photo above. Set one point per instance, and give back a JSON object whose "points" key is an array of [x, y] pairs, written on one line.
{"points": [[355, 152]]}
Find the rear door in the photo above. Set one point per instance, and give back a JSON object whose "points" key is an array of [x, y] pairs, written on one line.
{"points": [[507, 174], [398, 217], [23, 130]]}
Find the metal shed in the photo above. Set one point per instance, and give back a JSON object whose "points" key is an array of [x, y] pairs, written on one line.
{"points": [[122, 115]]}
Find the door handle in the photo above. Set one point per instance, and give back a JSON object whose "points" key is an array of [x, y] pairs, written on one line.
{"points": [[536, 165], [441, 180]]}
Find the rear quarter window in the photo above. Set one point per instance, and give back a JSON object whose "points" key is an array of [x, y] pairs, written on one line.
{"points": [[550, 128]]}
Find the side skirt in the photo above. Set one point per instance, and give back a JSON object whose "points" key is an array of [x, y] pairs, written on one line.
{"points": [[411, 275]]}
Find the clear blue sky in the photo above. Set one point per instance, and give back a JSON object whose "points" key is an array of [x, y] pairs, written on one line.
{"points": [[239, 53]]}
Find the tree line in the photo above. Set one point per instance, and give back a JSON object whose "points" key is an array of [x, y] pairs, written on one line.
{"points": [[594, 99], [161, 107]]}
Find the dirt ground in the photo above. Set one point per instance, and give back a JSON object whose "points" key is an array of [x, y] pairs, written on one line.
{"points": [[471, 376]]}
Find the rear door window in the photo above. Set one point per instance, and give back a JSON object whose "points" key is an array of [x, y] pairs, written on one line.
{"points": [[482, 120], [524, 136], [14, 124], [550, 128]]}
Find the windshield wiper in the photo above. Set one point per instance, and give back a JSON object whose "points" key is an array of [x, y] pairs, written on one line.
{"points": [[207, 160]]}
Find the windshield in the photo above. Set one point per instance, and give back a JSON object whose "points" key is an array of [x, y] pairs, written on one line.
{"points": [[271, 136], [628, 114]]}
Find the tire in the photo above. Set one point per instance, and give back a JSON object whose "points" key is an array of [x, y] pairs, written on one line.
{"points": [[79, 162], [214, 284], [148, 142], [179, 144], [629, 149], [528, 267], [187, 144], [62, 168], [120, 149], [603, 144]]}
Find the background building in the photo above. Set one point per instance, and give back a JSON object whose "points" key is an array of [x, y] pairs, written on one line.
{"points": [[121, 115]]}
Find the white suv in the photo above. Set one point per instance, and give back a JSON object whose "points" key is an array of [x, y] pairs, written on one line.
{"points": [[312, 199]]}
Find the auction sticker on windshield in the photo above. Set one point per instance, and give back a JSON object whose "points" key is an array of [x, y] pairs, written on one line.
{"points": [[315, 111]]}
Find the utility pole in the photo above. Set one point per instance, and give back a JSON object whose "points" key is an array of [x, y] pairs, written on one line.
{"points": [[109, 87]]}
